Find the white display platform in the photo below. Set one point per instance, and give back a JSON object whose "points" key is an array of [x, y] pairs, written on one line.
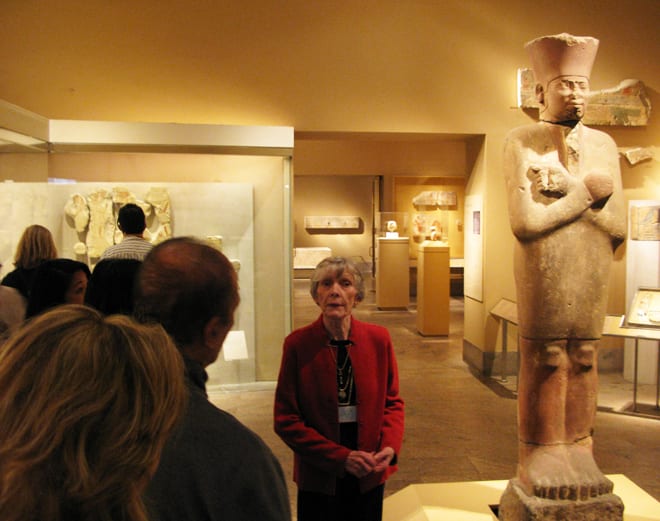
{"points": [[470, 500]]}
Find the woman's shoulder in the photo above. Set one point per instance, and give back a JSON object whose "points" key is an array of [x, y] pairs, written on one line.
{"points": [[359, 327], [11, 276], [312, 329], [19, 279]]}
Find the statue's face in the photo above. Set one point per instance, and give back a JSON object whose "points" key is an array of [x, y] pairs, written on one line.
{"points": [[565, 99]]}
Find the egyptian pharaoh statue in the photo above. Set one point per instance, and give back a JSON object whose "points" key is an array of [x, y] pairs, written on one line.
{"points": [[567, 213]]}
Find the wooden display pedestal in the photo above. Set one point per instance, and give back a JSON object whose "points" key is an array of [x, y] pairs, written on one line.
{"points": [[433, 288], [392, 274]]}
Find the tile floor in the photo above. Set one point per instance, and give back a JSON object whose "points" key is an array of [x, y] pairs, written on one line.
{"points": [[460, 426]]}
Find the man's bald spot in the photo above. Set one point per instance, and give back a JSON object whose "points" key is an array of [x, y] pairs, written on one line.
{"points": [[184, 282]]}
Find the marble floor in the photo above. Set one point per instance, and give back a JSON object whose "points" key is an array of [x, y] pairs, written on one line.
{"points": [[460, 426]]}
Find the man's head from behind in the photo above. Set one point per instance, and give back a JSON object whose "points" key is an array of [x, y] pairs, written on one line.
{"points": [[131, 219], [192, 290]]}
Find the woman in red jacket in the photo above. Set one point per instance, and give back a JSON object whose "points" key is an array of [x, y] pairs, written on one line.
{"points": [[337, 403]]}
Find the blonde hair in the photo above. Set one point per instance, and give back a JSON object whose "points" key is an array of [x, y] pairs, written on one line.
{"points": [[35, 246], [86, 405]]}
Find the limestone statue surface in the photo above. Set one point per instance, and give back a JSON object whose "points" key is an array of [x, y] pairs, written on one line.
{"points": [[567, 213]]}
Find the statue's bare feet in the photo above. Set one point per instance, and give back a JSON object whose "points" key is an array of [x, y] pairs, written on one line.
{"points": [[563, 472]]}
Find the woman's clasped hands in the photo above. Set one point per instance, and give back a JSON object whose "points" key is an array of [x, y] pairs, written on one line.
{"points": [[360, 463]]}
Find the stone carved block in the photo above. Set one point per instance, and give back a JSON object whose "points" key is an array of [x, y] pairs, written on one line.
{"points": [[519, 506], [638, 154], [434, 199], [94, 217]]}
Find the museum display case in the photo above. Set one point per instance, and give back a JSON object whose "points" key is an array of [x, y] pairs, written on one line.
{"points": [[391, 225], [226, 184], [430, 226]]}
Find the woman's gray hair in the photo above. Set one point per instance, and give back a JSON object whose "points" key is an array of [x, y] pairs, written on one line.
{"points": [[336, 266]]}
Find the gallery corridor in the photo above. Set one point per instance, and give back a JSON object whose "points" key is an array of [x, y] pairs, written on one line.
{"points": [[460, 426]]}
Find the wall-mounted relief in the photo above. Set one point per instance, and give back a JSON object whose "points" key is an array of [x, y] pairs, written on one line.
{"points": [[636, 155], [627, 104], [94, 217], [434, 199], [645, 223], [333, 224]]}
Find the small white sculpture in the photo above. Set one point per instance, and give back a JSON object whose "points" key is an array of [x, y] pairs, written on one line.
{"points": [[159, 198], [435, 231], [215, 241], [391, 228], [419, 228], [101, 223], [76, 208]]}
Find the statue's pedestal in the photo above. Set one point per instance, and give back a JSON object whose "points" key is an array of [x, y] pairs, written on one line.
{"points": [[515, 505], [477, 500]]}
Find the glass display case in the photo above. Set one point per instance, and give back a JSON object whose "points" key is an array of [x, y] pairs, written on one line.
{"points": [[391, 225], [230, 185], [430, 226]]}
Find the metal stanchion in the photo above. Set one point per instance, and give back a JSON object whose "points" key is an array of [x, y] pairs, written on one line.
{"points": [[505, 353]]}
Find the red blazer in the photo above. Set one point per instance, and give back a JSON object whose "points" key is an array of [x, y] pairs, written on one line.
{"points": [[306, 408]]}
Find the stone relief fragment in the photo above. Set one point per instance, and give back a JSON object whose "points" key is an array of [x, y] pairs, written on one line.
{"points": [[627, 104], [94, 217], [637, 155]]}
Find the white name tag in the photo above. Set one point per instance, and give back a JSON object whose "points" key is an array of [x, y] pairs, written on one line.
{"points": [[348, 414]]}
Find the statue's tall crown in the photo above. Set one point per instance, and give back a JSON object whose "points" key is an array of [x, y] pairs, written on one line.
{"points": [[562, 55]]}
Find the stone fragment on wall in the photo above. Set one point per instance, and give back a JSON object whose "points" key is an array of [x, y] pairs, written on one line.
{"points": [[77, 210], [434, 199], [159, 198], [637, 155], [101, 223], [95, 217], [627, 104]]}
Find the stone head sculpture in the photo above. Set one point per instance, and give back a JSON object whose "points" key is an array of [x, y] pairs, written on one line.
{"points": [[562, 65]]}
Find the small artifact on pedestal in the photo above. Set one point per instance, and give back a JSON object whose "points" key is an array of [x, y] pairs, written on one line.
{"points": [[419, 228], [391, 230], [567, 212], [435, 231]]}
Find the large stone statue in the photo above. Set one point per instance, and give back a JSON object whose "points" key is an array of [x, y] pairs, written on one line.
{"points": [[567, 213]]}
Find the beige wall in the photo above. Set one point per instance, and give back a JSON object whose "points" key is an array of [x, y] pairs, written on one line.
{"points": [[24, 167], [420, 67]]}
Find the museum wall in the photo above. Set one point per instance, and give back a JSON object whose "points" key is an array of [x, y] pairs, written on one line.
{"points": [[24, 167], [334, 196], [390, 67]]}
